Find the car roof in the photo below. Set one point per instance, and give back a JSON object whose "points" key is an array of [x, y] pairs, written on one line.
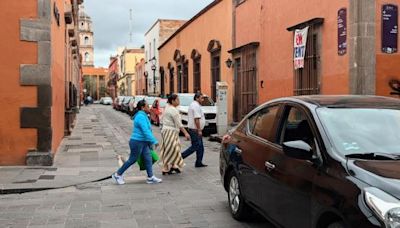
{"points": [[345, 101]]}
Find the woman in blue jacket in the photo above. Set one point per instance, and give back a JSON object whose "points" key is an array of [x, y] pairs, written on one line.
{"points": [[142, 139]]}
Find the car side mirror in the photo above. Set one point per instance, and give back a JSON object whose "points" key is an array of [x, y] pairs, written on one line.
{"points": [[298, 149]]}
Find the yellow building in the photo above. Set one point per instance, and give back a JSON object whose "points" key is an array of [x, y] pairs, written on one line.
{"points": [[127, 83]]}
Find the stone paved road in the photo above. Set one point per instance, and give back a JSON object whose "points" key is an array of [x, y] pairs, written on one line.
{"points": [[194, 198]]}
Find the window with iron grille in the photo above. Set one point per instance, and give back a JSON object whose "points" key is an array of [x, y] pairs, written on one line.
{"points": [[306, 80], [196, 75], [215, 72], [185, 78], [179, 75], [171, 81]]}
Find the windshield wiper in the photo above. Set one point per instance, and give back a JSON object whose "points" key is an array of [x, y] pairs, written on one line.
{"points": [[374, 156]]}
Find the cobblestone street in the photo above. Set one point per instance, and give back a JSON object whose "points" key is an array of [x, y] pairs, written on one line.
{"points": [[194, 198]]}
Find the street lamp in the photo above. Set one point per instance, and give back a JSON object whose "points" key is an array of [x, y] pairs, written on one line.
{"points": [[153, 68]]}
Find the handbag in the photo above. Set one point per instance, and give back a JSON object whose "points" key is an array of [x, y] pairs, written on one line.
{"points": [[154, 158]]}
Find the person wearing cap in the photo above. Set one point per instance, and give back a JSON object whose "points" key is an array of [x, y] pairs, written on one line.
{"points": [[196, 123]]}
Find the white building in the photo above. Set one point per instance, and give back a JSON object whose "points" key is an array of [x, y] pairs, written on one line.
{"points": [[157, 34]]}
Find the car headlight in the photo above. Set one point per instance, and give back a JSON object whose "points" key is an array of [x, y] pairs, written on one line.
{"points": [[385, 206]]}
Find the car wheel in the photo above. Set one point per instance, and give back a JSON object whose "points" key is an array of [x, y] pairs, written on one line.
{"points": [[337, 225], [239, 208]]}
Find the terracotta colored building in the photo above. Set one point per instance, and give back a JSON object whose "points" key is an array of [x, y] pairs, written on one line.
{"points": [[112, 86], [194, 57], [141, 79], [95, 80], [41, 70], [346, 52]]}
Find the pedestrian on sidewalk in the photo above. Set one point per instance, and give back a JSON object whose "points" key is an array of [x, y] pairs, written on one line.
{"points": [[196, 123], [142, 139], [170, 149]]}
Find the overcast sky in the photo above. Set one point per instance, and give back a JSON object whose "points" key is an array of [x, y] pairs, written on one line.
{"points": [[111, 21]]}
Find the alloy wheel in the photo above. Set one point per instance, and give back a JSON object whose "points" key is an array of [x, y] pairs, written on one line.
{"points": [[234, 195]]}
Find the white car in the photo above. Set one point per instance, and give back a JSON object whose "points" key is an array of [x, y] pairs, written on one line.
{"points": [[208, 107], [106, 101]]}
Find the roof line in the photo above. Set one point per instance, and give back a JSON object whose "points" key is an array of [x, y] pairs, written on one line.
{"points": [[203, 11], [160, 20]]}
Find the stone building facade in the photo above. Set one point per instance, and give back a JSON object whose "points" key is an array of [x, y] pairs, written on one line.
{"points": [[42, 64]]}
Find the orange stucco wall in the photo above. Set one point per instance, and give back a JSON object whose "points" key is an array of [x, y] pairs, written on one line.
{"points": [[58, 76], [387, 65], [276, 48], [14, 141], [215, 24]]}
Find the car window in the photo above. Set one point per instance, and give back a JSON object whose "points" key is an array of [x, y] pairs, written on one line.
{"points": [[264, 123], [251, 122], [297, 127]]}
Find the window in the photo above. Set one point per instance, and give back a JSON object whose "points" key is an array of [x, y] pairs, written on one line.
{"points": [[196, 75], [265, 123], [149, 51], [297, 127], [86, 40], [171, 80], [185, 78], [179, 74], [87, 57], [154, 47], [306, 80], [215, 73]]}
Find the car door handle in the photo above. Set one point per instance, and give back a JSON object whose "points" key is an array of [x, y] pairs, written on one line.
{"points": [[270, 166]]}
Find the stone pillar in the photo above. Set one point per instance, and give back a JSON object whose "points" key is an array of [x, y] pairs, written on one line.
{"points": [[362, 41], [39, 31]]}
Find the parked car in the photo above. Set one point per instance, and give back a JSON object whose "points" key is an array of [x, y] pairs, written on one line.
{"points": [[125, 104], [157, 109], [133, 103], [106, 100], [118, 102], [208, 107], [150, 100], [316, 161]]}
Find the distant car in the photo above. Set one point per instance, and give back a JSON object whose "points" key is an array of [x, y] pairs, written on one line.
{"points": [[133, 103], [208, 107], [316, 161], [106, 101], [150, 100], [125, 104], [120, 100], [157, 109], [96, 102]]}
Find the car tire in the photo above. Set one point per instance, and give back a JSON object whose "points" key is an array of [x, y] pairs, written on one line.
{"points": [[337, 225], [240, 210]]}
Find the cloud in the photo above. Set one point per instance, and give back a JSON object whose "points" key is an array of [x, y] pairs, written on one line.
{"points": [[111, 22]]}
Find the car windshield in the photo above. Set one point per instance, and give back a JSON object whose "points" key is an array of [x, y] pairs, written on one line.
{"points": [[362, 131], [150, 100], [187, 100], [163, 103]]}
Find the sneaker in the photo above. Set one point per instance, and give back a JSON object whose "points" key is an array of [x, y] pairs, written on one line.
{"points": [[118, 179], [153, 180], [200, 165]]}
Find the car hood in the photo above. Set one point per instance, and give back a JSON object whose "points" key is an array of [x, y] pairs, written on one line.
{"points": [[384, 175], [206, 109]]}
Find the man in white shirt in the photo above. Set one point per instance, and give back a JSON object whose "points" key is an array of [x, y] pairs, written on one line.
{"points": [[196, 123]]}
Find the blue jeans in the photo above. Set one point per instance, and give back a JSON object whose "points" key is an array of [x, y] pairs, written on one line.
{"points": [[197, 146], [138, 148]]}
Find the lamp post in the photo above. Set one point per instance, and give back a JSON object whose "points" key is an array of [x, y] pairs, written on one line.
{"points": [[153, 68]]}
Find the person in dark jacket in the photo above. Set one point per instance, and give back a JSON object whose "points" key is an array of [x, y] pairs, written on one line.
{"points": [[142, 139]]}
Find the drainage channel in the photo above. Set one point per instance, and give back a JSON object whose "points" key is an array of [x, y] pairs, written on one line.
{"points": [[29, 190]]}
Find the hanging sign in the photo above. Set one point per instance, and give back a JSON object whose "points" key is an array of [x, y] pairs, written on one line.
{"points": [[300, 41], [342, 31], [389, 28]]}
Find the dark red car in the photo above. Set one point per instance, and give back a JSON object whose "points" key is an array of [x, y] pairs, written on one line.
{"points": [[157, 110]]}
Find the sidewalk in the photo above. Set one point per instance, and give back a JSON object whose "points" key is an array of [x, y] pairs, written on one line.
{"points": [[85, 156]]}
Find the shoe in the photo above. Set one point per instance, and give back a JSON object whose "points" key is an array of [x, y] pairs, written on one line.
{"points": [[176, 170], [153, 180], [118, 179], [200, 165], [165, 173]]}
